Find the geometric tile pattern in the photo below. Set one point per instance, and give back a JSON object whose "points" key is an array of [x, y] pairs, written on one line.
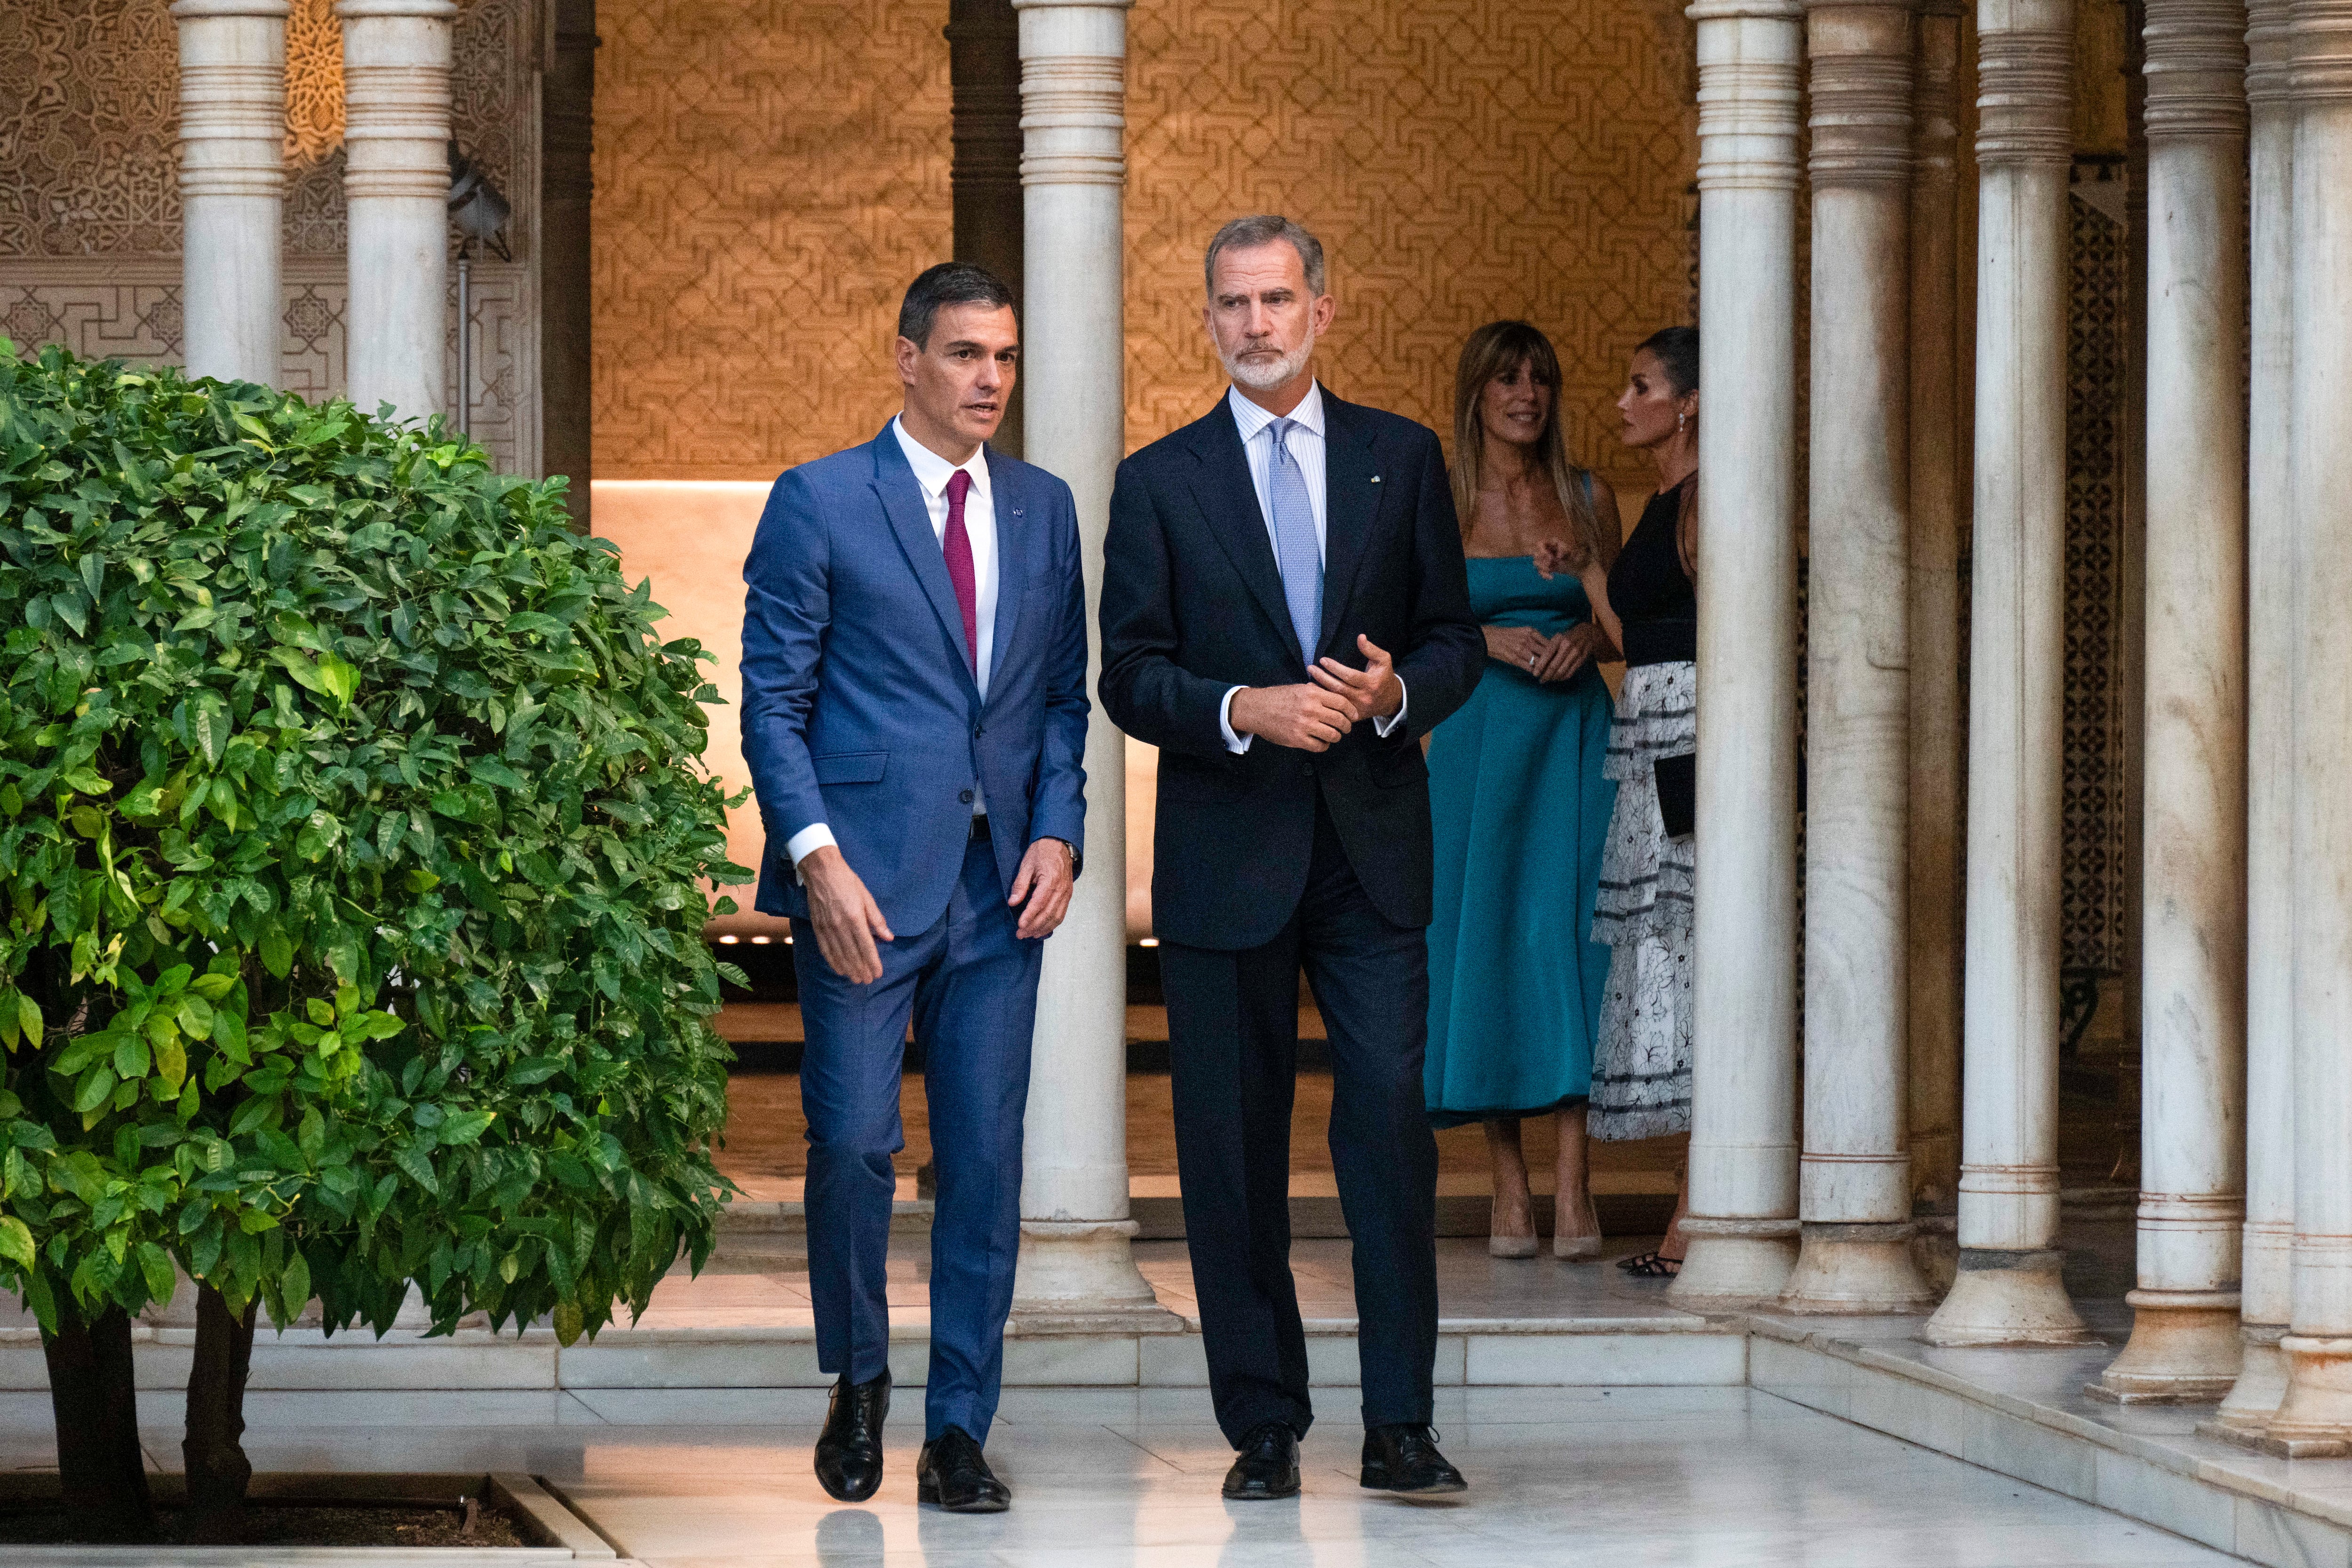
{"points": [[1461, 160], [2096, 803], [768, 178]]}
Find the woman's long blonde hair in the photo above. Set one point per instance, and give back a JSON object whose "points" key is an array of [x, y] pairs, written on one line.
{"points": [[1496, 349]]}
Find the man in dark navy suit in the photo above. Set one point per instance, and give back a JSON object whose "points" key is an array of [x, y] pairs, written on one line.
{"points": [[915, 717], [1285, 614]]}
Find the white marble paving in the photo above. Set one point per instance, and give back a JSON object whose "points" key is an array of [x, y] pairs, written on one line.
{"points": [[1127, 1478]]}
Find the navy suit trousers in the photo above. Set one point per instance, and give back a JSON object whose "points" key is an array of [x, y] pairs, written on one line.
{"points": [[1233, 1041], [970, 984]]}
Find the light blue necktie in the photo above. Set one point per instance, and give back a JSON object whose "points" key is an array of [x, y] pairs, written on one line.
{"points": [[1295, 549]]}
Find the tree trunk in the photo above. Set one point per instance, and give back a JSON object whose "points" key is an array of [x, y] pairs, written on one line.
{"points": [[96, 1402], [218, 1471]]}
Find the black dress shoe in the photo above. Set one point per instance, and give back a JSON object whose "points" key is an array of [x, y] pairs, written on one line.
{"points": [[1267, 1466], [849, 1453], [1404, 1458], [952, 1472]]}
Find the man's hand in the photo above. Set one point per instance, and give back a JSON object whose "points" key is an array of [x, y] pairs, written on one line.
{"points": [[1305, 718], [1373, 692], [1046, 880], [847, 918]]}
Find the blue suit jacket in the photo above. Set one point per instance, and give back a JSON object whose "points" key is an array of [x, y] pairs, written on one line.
{"points": [[859, 710]]}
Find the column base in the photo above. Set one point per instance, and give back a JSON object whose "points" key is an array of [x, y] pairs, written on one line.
{"points": [[2254, 1400], [1857, 1269], [1734, 1263], [1079, 1277], [2315, 1419], [2184, 1350], [1935, 1250], [2004, 1297]]}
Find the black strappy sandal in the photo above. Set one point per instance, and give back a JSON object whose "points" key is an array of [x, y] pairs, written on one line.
{"points": [[1651, 1266]]}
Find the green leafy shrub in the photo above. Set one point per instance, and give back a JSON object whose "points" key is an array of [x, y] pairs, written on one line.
{"points": [[352, 836]]}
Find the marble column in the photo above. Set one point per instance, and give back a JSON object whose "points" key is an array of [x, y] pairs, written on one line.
{"points": [[2184, 1343], [396, 180], [1076, 1266], [1742, 1223], [1854, 1180], [1934, 1019], [2271, 587], [232, 184], [984, 78], [2008, 1289], [2315, 1417]]}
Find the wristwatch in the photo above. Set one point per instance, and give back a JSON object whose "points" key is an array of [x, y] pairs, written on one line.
{"points": [[1077, 856]]}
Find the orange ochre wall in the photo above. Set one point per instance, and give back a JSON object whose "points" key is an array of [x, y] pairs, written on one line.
{"points": [[770, 174]]}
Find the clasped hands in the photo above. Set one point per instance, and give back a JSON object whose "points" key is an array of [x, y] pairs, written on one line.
{"points": [[1317, 716], [1546, 659], [848, 921]]}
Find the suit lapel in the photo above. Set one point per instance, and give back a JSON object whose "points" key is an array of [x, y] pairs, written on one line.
{"points": [[1228, 499], [1354, 487], [1013, 535], [902, 503]]}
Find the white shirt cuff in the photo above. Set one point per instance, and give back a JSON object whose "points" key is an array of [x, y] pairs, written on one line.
{"points": [[813, 837], [1236, 743], [1382, 726]]}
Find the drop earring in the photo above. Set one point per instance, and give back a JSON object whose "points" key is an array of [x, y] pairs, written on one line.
{"points": [[1679, 420]]}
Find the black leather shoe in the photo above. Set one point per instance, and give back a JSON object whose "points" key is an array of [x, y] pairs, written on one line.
{"points": [[1404, 1458], [1267, 1466], [952, 1472], [849, 1454]]}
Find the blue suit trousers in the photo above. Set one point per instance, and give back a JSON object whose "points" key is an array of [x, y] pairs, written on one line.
{"points": [[970, 984]]}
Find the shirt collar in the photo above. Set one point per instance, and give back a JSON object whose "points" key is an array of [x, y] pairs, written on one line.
{"points": [[931, 470], [1252, 419]]}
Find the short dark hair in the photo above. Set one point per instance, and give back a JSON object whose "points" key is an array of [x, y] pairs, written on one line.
{"points": [[1265, 228], [1676, 350], [948, 283]]}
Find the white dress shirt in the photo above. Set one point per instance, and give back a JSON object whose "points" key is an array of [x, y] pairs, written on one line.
{"points": [[931, 474], [1306, 437]]}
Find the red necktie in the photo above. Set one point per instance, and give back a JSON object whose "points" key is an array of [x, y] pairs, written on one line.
{"points": [[957, 547]]}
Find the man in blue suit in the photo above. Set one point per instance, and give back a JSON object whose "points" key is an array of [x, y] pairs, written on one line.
{"points": [[915, 717]]}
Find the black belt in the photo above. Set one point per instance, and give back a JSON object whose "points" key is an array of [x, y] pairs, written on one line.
{"points": [[979, 829]]}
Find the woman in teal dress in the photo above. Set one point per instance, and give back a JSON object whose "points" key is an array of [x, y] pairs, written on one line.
{"points": [[1516, 796]]}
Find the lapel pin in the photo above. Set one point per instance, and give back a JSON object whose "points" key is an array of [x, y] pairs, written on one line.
{"points": [[1017, 511], [1376, 478]]}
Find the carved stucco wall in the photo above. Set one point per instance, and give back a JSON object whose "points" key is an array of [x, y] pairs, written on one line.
{"points": [[769, 176], [89, 203]]}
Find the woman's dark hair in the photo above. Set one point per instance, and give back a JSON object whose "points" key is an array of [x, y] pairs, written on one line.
{"points": [[1675, 348], [948, 283]]}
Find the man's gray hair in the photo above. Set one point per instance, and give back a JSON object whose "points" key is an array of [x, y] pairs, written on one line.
{"points": [[1264, 229]]}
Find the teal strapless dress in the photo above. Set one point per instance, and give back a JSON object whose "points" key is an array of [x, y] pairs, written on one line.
{"points": [[1520, 811]]}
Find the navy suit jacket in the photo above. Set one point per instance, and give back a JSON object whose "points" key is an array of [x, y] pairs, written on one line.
{"points": [[859, 708], [1193, 605]]}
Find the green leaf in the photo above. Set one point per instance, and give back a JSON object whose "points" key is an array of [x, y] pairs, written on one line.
{"points": [[28, 1019], [321, 1012], [16, 1241], [567, 1323], [94, 1088], [294, 1290], [342, 681], [277, 952], [195, 1016], [156, 1265], [459, 1131]]}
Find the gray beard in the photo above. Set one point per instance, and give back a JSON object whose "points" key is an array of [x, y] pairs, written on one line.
{"points": [[1260, 375]]}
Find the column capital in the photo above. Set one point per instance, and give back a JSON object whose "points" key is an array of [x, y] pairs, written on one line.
{"points": [[197, 10], [1861, 52], [2025, 57], [432, 10], [1073, 91], [2268, 53], [2196, 70], [1750, 68], [2319, 49]]}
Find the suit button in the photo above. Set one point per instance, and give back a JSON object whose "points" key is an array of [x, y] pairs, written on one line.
{"points": [[965, 797], [978, 730]]}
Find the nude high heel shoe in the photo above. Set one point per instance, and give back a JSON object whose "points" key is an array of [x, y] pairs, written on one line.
{"points": [[1577, 1249], [1501, 1246]]}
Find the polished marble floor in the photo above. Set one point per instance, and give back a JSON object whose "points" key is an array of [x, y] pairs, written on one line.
{"points": [[1699, 1478]]}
